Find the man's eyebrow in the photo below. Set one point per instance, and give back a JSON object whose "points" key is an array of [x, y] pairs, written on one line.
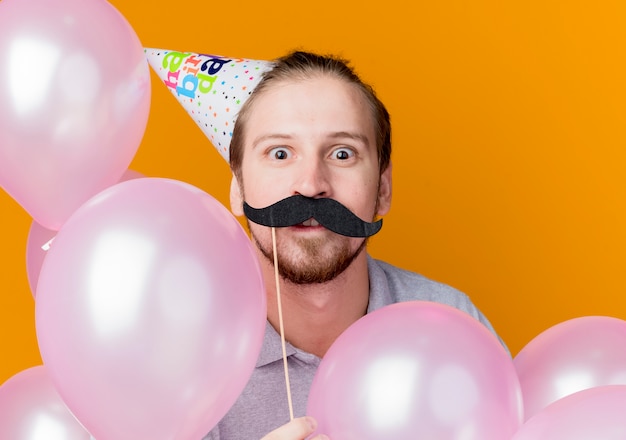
{"points": [[271, 136], [350, 135]]}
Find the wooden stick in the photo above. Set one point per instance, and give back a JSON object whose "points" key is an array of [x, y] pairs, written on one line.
{"points": [[280, 324]]}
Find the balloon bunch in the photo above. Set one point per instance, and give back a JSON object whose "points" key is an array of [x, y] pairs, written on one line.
{"points": [[425, 370], [149, 303], [573, 379]]}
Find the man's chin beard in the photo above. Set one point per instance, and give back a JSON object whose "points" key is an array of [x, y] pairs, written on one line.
{"points": [[322, 272]]}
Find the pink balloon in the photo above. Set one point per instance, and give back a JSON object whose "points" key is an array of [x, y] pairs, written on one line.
{"points": [[37, 244], [571, 356], [591, 414], [416, 370], [39, 240], [74, 102], [150, 311], [31, 409]]}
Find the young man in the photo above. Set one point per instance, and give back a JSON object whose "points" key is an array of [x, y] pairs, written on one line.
{"points": [[312, 128]]}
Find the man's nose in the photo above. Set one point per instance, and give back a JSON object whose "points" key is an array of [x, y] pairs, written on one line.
{"points": [[312, 179]]}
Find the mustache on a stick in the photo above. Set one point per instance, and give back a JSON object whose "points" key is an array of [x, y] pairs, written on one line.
{"points": [[328, 212]]}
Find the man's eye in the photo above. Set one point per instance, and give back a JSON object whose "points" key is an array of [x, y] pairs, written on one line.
{"points": [[279, 153], [343, 153]]}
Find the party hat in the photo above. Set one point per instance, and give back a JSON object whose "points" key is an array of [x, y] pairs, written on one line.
{"points": [[212, 88]]}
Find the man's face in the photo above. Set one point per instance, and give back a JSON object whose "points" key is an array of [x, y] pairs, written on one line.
{"points": [[314, 138]]}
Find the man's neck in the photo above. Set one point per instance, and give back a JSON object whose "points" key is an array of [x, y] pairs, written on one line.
{"points": [[314, 315]]}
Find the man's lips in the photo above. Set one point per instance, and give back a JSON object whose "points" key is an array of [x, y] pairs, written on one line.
{"points": [[309, 225], [310, 222]]}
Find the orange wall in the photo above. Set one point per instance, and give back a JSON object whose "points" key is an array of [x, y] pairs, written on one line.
{"points": [[509, 136]]}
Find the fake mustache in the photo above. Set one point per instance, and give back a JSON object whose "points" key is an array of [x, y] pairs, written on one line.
{"points": [[328, 212]]}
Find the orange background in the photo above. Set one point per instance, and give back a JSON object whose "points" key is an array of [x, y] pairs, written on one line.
{"points": [[509, 144]]}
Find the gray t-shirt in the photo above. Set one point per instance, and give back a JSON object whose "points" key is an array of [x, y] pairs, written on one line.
{"points": [[263, 405]]}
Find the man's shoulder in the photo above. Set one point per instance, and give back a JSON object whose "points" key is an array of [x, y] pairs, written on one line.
{"points": [[406, 285], [403, 285], [399, 277]]}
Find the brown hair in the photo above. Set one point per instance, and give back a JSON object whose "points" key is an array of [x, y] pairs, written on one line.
{"points": [[304, 65]]}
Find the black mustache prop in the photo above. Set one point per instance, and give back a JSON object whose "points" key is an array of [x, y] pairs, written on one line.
{"points": [[328, 212]]}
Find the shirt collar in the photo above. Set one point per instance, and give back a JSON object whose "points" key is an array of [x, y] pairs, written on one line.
{"points": [[380, 295], [272, 350]]}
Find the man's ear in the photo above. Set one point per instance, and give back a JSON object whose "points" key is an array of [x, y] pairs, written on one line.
{"points": [[236, 197], [384, 192]]}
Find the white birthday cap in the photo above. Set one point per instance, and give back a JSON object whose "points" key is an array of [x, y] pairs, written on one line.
{"points": [[212, 88]]}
